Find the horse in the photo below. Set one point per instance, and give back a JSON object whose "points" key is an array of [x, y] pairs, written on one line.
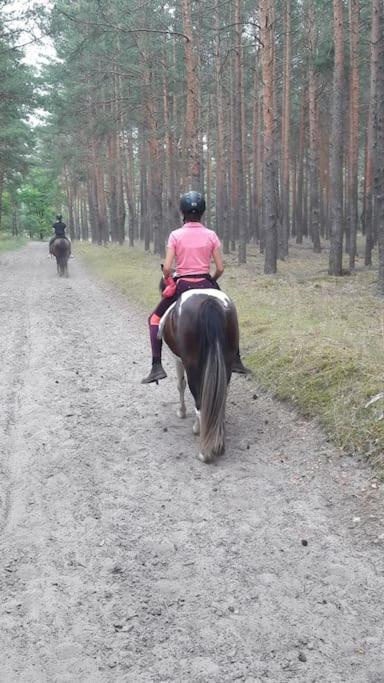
{"points": [[61, 249], [202, 331]]}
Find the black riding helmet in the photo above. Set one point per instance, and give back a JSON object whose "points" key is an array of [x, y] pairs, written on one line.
{"points": [[192, 204]]}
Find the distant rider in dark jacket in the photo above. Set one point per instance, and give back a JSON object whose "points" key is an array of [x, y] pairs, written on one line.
{"points": [[59, 228]]}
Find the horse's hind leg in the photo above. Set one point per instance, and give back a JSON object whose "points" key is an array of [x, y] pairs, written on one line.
{"points": [[196, 424], [181, 384]]}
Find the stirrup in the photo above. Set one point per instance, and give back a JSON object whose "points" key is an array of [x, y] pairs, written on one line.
{"points": [[156, 373]]}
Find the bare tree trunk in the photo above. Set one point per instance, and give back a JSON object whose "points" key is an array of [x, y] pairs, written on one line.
{"points": [[222, 223], [270, 209], [368, 217], [353, 130], [336, 250], [379, 146], [70, 203], [239, 169], [192, 148], [285, 133], [256, 190], [314, 195], [300, 173]]}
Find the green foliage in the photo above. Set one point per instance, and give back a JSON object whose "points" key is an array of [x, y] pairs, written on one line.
{"points": [[38, 199], [8, 243]]}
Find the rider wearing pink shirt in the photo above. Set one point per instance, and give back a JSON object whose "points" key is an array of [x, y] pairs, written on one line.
{"points": [[193, 247]]}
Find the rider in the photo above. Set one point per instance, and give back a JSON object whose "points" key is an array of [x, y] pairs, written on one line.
{"points": [[193, 247], [59, 228]]}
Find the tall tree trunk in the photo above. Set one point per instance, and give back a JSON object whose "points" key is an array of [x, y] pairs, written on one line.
{"points": [[353, 130], [285, 133], [313, 154], [369, 170], [222, 222], [193, 170], [336, 250], [170, 153], [269, 197], [256, 190], [379, 146], [239, 138], [70, 203], [300, 173]]}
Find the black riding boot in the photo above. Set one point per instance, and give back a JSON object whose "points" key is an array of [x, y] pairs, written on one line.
{"points": [[238, 366], [156, 373]]}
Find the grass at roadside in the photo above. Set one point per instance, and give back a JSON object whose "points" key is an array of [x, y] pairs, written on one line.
{"points": [[310, 339], [10, 243]]}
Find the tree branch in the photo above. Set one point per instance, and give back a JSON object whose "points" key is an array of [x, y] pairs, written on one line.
{"points": [[122, 29]]}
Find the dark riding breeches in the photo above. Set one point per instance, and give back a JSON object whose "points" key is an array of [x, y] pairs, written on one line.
{"points": [[154, 319]]}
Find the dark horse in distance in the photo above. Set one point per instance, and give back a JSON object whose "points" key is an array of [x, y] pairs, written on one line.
{"points": [[61, 249], [201, 329]]}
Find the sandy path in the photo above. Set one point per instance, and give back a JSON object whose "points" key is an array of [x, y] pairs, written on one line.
{"points": [[123, 558]]}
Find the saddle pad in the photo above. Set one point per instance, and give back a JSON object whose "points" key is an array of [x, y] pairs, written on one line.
{"points": [[216, 293]]}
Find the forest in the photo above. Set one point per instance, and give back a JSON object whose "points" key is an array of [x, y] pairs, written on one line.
{"points": [[274, 109]]}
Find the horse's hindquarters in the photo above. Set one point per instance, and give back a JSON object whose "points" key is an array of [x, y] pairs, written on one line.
{"points": [[204, 330], [61, 250]]}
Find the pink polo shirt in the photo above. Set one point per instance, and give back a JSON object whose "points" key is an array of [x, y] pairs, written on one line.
{"points": [[194, 245]]}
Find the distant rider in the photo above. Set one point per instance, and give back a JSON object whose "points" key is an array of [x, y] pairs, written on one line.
{"points": [[59, 228]]}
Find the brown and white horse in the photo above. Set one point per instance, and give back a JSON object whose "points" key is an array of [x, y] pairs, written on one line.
{"points": [[202, 330]]}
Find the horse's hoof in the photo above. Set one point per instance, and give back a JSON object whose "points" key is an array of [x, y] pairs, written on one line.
{"points": [[196, 429], [203, 458], [181, 413]]}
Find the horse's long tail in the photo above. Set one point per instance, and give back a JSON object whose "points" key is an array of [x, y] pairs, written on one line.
{"points": [[214, 378]]}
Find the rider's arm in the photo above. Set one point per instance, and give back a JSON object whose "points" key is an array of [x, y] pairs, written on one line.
{"points": [[218, 259], [170, 255]]}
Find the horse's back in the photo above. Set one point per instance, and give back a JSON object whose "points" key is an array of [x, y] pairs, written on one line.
{"points": [[197, 310]]}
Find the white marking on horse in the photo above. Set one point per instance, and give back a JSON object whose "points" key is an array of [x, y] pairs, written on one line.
{"points": [[216, 293], [163, 320]]}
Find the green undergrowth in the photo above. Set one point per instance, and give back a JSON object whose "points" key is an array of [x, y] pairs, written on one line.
{"points": [[11, 243], [310, 339]]}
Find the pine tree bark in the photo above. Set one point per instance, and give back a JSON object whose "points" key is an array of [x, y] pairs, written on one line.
{"points": [[256, 190], [239, 144], [222, 223], [369, 169], [269, 196], [353, 154], [379, 147], [336, 248], [300, 173], [313, 152], [285, 134], [193, 169]]}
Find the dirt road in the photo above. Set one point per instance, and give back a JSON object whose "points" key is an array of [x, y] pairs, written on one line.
{"points": [[123, 557]]}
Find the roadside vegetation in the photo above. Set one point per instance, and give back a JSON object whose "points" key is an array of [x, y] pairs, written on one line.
{"points": [[310, 339], [8, 243]]}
